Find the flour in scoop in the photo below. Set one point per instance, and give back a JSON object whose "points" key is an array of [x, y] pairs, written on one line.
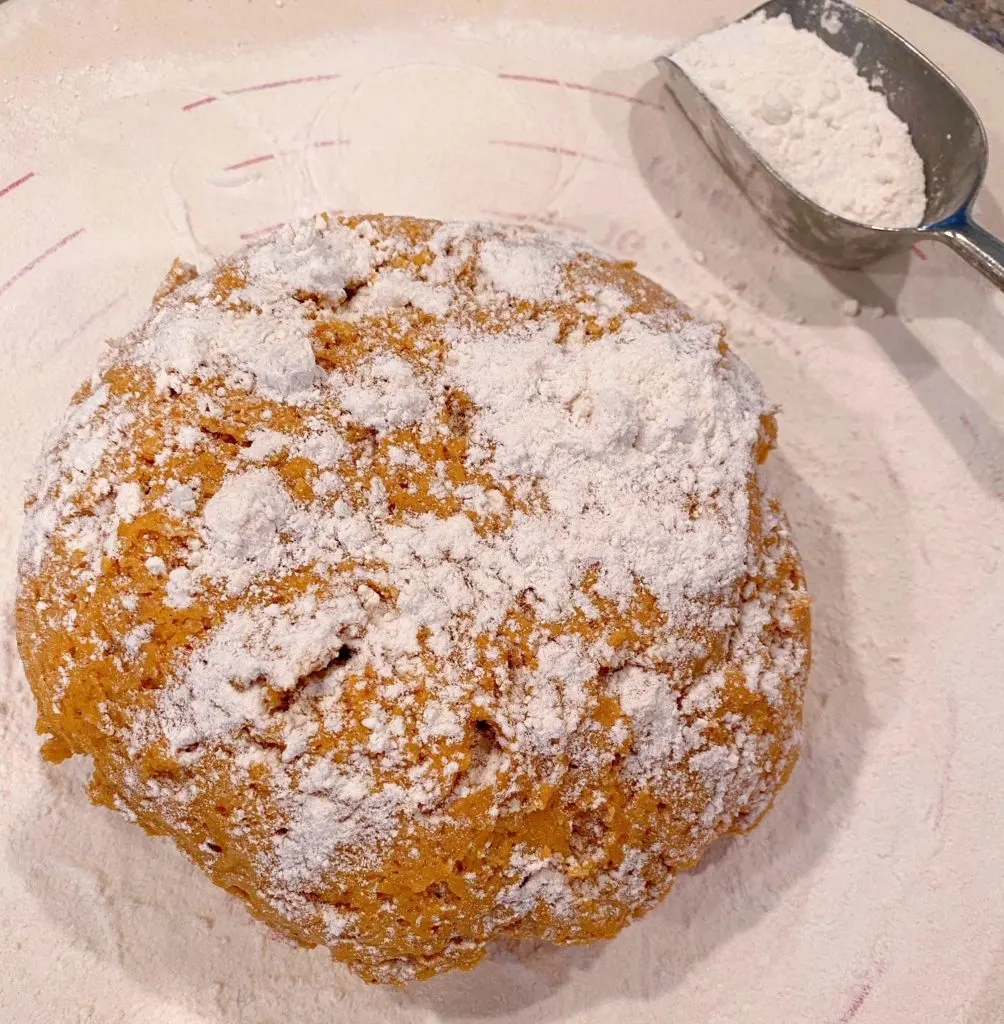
{"points": [[816, 121]]}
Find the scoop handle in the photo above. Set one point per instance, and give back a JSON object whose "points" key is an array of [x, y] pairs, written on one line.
{"points": [[978, 248]]}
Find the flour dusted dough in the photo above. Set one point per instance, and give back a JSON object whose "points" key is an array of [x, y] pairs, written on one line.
{"points": [[417, 579]]}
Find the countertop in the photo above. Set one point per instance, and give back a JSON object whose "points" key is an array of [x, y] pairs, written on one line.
{"points": [[981, 18]]}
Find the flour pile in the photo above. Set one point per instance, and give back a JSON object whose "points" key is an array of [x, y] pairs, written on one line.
{"points": [[816, 121]]}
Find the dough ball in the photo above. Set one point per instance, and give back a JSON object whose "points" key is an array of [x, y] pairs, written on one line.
{"points": [[419, 581]]}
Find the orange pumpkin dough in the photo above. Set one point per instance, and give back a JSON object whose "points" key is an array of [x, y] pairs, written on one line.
{"points": [[419, 582]]}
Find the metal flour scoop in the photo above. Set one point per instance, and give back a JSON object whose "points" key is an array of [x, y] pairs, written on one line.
{"points": [[946, 131]]}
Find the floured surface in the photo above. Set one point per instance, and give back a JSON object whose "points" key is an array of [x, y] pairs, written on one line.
{"points": [[879, 857]]}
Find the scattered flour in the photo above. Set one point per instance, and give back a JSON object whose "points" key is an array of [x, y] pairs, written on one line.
{"points": [[819, 124]]}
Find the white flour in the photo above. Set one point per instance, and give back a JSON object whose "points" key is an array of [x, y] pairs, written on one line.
{"points": [[804, 107], [879, 855]]}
